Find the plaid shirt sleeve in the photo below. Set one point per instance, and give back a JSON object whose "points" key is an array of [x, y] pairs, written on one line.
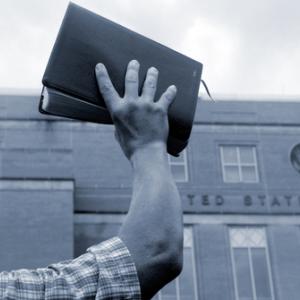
{"points": [[106, 271]]}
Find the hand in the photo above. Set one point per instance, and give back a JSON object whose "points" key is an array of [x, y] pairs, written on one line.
{"points": [[139, 121]]}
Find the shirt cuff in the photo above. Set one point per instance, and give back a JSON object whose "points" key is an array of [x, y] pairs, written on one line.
{"points": [[118, 277]]}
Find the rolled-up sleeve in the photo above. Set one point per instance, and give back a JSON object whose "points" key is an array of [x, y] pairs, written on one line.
{"points": [[106, 271]]}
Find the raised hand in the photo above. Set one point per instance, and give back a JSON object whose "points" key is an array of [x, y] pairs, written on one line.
{"points": [[139, 121]]}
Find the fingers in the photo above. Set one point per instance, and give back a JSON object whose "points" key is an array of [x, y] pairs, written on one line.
{"points": [[106, 87], [167, 97], [150, 84], [132, 79], [112, 98]]}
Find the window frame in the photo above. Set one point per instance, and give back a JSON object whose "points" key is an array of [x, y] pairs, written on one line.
{"points": [[183, 163], [252, 277], [239, 164]]}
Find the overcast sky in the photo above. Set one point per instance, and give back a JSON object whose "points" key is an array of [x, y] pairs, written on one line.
{"points": [[247, 47]]}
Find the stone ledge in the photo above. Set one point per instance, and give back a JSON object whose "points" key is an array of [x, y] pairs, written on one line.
{"points": [[12, 184]]}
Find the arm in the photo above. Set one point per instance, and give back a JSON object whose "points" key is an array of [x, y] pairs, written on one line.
{"points": [[153, 230], [105, 271]]}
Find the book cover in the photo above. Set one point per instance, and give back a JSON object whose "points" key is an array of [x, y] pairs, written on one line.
{"points": [[84, 39]]}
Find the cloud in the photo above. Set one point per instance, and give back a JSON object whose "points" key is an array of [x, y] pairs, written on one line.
{"points": [[215, 46], [247, 47]]}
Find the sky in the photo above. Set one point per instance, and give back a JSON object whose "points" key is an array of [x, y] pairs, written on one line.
{"points": [[248, 48]]}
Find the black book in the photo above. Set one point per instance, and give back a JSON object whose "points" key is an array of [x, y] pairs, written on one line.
{"points": [[84, 39]]}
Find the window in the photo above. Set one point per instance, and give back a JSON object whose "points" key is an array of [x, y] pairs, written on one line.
{"points": [[251, 264], [239, 164], [183, 287], [179, 167]]}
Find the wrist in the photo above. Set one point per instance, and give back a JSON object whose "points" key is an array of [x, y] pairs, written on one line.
{"points": [[151, 154]]}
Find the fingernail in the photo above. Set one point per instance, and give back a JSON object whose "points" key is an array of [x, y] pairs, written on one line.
{"points": [[135, 63], [153, 70], [173, 88], [99, 67]]}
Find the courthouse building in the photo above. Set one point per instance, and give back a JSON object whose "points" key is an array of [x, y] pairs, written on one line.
{"points": [[65, 185]]}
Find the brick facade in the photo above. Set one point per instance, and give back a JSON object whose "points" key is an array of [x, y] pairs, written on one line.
{"points": [[35, 148]]}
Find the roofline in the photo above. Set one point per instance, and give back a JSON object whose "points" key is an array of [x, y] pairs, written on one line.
{"points": [[251, 97], [20, 91], [237, 98]]}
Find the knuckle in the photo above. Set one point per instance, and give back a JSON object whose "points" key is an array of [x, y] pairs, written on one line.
{"points": [[151, 83], [106, 87], [133, 105], [131, 77], [169, 95], [147, 106], [158, 109]]}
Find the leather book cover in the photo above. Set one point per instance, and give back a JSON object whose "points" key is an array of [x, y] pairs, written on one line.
{"points": [[85, 38]]}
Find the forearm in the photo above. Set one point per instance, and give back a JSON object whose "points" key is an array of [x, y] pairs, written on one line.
{"points": [[153, 229], [156, 204]]}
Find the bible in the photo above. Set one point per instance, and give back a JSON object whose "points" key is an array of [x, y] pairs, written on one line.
{"points": [[84, 39]]}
